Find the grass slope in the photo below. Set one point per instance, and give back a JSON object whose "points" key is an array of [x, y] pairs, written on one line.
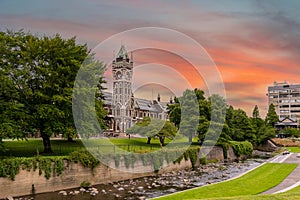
{"points": [[293, 194], [254, 182]]}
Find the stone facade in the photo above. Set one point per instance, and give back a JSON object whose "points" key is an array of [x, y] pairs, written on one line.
{"points": [[124, 110]]}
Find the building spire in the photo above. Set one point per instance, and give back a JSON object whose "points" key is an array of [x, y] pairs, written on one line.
{"points": [[122, 53]]}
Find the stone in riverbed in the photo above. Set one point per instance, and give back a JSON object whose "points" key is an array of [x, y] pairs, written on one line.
{"points": [[140, 188]]}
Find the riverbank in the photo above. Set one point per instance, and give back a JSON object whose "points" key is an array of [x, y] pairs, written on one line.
{"points": [[154, 186], [259, 180]]}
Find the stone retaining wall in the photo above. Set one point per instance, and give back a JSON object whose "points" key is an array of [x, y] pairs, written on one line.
{"points": [[74, 174]]}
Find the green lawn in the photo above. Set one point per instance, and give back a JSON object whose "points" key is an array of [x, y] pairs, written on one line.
{"points": [[293, 194], [294, 149], [32, 147], [254, 182]]}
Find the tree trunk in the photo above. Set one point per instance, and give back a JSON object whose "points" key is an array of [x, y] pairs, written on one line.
{"points": [[162, 140], [149, 139], [70, 139], [46, 142], [190, 139]]}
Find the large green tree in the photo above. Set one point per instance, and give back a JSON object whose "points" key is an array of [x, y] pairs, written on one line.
{"points": [[241, 127], [154, 128], [188, 110], [39, 74]]}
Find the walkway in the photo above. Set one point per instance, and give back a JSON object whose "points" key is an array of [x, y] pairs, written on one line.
{"points": [[292, 180]]}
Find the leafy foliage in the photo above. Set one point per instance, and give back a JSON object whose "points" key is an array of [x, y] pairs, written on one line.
{"points": [[154, 128], [242, 148], [85, 158], [10, 167], [291, 132], [37, 75]]}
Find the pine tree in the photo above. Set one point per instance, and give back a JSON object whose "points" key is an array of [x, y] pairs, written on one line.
{"points": [[255, 113], [271, 117]]}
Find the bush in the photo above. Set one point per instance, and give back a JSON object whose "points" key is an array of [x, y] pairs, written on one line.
{"points": [[85, 184], [242, 148], [203, 160], [85, 158]]}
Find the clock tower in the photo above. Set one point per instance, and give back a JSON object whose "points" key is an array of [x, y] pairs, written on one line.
{"points": [[122, 97]]}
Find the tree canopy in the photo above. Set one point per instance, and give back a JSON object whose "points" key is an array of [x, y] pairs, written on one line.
{"points": [[37, 76], [152, 128], [237, 125]]}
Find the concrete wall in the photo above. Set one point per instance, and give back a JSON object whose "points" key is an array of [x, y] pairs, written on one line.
{"points": [[74, 174]]}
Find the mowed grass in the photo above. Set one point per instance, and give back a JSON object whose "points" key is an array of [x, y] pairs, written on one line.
{"points": [[60, 147], [293, 194], [33, 147], [254, 182], [294, 149]]}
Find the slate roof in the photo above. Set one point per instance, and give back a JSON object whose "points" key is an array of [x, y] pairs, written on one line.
{"points": [[142, 104]]}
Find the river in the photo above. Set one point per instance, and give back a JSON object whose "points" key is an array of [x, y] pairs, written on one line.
{"points": [[153, 186]]}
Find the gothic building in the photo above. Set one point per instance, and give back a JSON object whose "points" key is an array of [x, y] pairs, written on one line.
{"points": [[124, 110]]}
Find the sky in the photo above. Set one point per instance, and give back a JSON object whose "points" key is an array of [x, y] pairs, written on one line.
{"points": [[252, 42]]}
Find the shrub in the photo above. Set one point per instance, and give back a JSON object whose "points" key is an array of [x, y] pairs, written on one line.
{"points": [[203, 160], [85, 184], [85, 158], [242, 148]]}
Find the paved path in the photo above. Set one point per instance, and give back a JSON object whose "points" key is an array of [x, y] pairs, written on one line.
{"points": [[292, 180]]}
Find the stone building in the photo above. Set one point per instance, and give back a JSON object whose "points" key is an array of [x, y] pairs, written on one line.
{"points": [[124, 110]]}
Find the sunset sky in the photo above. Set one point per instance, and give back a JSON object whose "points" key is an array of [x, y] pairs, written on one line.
{"points": [[252, 42]]}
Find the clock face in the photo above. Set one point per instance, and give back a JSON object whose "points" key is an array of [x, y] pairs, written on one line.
{"points": [[118, 75]]}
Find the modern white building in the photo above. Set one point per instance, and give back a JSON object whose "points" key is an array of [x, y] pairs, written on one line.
{"points": [[286, 99], [124, 110]]}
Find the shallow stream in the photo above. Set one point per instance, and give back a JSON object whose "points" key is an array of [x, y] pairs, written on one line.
{"points": [[154, 186]]}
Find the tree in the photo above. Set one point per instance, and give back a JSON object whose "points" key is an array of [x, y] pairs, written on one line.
{"points": [[265, 132], [174, 111], [189, 114], [255, 113], [212, 127], [291, 132], [154, 128], [271, 117], [41, 72], [241, 127]]}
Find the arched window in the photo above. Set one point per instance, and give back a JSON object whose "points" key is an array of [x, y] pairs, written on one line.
{"points": [[118, 112]]}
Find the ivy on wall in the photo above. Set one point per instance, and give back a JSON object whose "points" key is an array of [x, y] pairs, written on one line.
{"points": [[54, 166]]}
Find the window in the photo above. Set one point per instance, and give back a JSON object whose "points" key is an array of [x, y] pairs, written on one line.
{"points": [[118, 111]]}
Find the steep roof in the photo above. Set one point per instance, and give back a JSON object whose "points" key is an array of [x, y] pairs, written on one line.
{"points": [[122, 53], [143, 104]]}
